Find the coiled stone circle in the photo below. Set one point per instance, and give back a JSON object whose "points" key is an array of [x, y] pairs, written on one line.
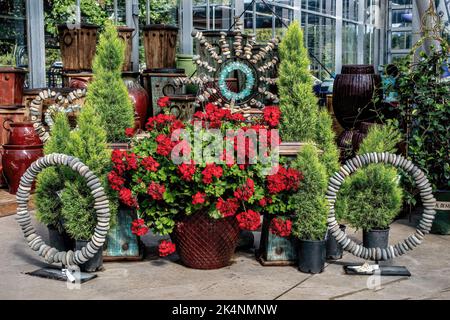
{"points": [[101, 205], [401, 248]]}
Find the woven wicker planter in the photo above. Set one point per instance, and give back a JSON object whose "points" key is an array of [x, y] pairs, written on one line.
{"points": [[205, 243]]}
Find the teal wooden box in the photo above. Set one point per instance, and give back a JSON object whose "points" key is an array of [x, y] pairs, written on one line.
{"points": [[121, 243]]}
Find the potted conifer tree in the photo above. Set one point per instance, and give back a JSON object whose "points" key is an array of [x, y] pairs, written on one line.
{"points": [[311, 207], [371, 198]]}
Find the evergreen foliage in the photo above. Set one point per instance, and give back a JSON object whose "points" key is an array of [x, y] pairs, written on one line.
{"points": [[311, 206], [107, 93]]}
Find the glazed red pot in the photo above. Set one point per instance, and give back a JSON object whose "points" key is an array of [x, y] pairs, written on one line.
{"points": [[138, 96], [21, 133], [2, 179], [16, 160]]}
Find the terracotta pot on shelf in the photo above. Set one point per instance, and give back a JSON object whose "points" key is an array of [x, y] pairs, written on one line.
{"points": [[138, 95], [77, 46], [160, 43], [126, 34], [16, 160], [11, 85], [21, 133], [218, 237], [14, 113], [2, 179]]}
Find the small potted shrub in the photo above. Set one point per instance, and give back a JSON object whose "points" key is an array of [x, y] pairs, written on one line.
{"points": [[201, 204], [371, 198], [311, 208], [87, 143]]}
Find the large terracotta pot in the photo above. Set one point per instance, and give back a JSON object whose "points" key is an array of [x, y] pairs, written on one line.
{"points": [[138, 95], [14, 113], [77, 46], [21, 133], [11, 85], [16, 160], [160, 44], [2, 179], [206, 243], [353, 94], [126, 34]]}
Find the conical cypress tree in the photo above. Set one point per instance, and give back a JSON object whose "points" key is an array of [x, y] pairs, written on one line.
{"points": [[298, 103], [89, 144], [107, 93]]}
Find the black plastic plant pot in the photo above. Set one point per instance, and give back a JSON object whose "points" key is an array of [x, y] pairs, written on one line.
{"points": [[334, 249], [95, 264], [61, 241], [311, 255], [376, 238]]}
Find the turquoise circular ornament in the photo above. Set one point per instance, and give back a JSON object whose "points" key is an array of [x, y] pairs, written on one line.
{"points": [[249, 81]]}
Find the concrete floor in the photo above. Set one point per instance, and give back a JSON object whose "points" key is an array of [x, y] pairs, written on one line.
{"points": [[245, 279]]}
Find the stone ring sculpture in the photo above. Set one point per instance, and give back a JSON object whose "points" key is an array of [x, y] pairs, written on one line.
{"points": [[61, 103], [401, 248], [101, 205]]}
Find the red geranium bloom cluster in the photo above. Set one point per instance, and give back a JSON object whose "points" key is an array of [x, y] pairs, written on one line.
{"points": [[163, 102], [227, 207], [126, 197], [138, 227], [215, 115], [187, 170], [165, 145], [284, 180], [246, 191], [272, 115], [265, 201], [159, 122], [211, 170], [166, 248], [249, 220], [199, 198], [129, 132], [115, 181], [156, 190], [281, 227], [150, 164], [124, 161]]}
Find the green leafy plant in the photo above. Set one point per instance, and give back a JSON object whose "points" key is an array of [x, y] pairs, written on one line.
{"points": [[63, 11], [87, 143], [325, 140], [161, 12], [298, 103], [310, 204], [50, 181], [372, 197], [107, 93]]}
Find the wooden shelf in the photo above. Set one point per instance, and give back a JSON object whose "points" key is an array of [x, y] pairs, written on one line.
{"points": [[8, 204]]}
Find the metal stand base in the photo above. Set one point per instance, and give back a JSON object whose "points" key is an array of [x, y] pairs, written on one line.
{"points": [[58, 274], [380, 270]]}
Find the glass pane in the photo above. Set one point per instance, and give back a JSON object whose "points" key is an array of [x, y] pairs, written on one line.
{"points": [[349, 43], [350, 9], [320, 41], [13, 38], [401, 40], [322, 6], [220, 15], [401, 18], [369, 44]]}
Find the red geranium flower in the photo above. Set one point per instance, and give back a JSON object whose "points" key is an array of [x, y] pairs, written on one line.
{"points": [[150, 164], [166, 248], [281, 227], [115, 181], [138, 227], [211, 170], [187, 171], [246, 191], [159, 122], [272, 115], [227, 207], [165, 145], [127, 198], [129, 132], [264, 201], [163, 102], [284, 179], [249, 220], [131, 160], [156, 190], [199, 198]]}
